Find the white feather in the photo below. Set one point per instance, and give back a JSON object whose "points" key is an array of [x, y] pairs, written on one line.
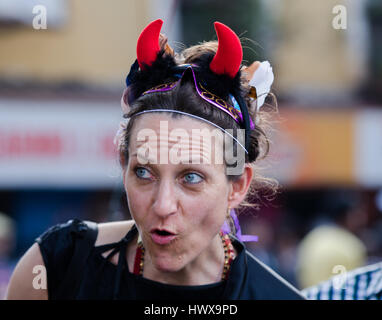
{"points": [[262, 80]]}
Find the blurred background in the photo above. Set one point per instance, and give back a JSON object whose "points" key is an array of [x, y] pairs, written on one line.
{"points": [[63, 65]]}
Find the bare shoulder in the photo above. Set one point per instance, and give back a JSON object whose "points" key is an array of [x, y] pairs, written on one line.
{"points": [[110, 232], [29, 281]]}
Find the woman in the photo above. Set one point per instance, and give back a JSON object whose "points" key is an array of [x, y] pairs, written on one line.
{"points": [[187, 148]]}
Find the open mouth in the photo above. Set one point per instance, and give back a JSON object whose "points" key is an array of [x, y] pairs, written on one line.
{"points": [[163, 232], [162, 237]]}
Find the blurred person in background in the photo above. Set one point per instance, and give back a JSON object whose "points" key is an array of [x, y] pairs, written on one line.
{"points": [[357, 278], [7, 244], [174, 248], [332, 242]]}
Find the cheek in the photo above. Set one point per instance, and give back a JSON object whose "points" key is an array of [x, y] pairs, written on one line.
{"points": [[207, 211], [137, 204], [203, 210], [137, 201]]}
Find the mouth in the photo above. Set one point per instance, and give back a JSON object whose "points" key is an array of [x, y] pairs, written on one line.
{"points": [[162, 236]]}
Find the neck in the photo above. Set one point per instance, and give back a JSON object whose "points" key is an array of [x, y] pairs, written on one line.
{"points": [[205, 268]]}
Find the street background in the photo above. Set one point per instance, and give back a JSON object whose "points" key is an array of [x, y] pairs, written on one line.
{"points": [[60, 91]]}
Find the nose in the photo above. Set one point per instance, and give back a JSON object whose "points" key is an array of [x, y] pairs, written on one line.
{"points": [[165, 200]]}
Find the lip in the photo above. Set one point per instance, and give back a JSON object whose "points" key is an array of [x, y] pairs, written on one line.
{"points": [[162, 239]]}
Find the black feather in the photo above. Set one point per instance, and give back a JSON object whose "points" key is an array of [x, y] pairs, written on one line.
{"points": [[221, 85], [158, 73], [164, 70]]}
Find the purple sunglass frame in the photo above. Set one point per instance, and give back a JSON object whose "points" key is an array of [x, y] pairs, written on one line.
{"points": [[227, 108]]}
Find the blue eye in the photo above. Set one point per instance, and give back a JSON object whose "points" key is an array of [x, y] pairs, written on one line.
{"points": [[142, 173], [193, 178]]}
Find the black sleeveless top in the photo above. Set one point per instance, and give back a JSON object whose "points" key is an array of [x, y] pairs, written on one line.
{"points": [[100, 279]]}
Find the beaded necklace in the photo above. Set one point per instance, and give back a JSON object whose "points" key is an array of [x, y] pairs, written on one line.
{"points": [[228, 256]]}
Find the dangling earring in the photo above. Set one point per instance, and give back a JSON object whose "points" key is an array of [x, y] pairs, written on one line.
{"points": [[230, 221], [139, 240]]}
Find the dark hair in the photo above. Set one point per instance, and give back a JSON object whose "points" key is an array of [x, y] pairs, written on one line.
{"points": [[185, 98]]}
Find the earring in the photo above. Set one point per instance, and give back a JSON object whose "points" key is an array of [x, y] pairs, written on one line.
{"points": [[231, 223], [139, 240]]}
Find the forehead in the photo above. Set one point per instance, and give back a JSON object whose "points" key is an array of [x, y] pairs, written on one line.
{"points": [[152, 120], [183, 135]]}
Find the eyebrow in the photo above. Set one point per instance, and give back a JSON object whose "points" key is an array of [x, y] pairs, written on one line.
{"points": [[149, 160], [183, 162]]}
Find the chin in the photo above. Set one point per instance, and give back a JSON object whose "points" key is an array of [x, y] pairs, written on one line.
{"points": [[168, 264]]}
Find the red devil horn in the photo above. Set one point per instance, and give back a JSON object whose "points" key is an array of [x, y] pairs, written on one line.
{"points": [[148, 43], [228, 58]]}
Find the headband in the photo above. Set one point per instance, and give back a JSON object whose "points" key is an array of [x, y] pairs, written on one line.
{"points": [[216, 77], [217, 80], [233, 111], [219, 73], [193, 116]]}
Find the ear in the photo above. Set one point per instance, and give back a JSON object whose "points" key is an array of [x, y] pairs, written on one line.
{"points": [[239, 188]]}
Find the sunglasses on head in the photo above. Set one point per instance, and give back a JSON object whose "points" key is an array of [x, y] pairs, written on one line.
{"points": [[184, 70]]}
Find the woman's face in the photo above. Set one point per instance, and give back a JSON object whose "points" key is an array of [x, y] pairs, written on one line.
{"points": [[178, 186]]}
